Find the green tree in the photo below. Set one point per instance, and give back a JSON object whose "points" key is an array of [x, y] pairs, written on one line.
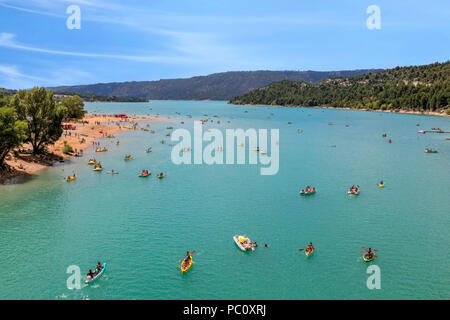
{"points": [[74, 107], [42, 115], [3, 100], [12, 132]]}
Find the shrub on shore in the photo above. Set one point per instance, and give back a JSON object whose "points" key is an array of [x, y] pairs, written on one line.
{"points": [[67, 148]]}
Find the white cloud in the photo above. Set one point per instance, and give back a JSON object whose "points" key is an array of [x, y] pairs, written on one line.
{"points": [[7, 41], [12, 77]]}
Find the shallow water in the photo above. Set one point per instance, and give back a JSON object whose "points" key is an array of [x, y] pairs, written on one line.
{"points": [[142, 227]]}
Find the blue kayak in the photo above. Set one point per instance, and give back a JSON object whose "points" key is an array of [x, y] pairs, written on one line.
{"points": [[96, 275]]}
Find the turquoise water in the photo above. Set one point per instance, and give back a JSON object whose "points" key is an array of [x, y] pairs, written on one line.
{"points": [[143, 227]]}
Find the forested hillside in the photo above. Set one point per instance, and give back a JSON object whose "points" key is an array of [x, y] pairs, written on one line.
{"points": [[217, 86], [417, 88]]}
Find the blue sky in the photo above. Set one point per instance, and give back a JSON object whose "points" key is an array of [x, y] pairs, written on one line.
{"points": [[133, 40]]}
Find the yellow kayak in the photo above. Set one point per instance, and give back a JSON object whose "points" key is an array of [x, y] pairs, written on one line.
{"points": [[98, 169], [101, 150], [91, 162], [381, 185], [128, 158], [71, 178], [185, 268]]}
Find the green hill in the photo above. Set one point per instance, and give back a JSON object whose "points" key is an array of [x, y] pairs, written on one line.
{"points": [[217, 86], [415, 88]]}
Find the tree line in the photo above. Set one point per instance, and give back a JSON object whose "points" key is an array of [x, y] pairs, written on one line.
{"points": [[35, 117], [93, 97], [414, 88]]}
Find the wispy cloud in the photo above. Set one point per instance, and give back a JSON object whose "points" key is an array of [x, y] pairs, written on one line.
{"points": [[181, 39], [12, 77], [12, 71], [7, 40]]}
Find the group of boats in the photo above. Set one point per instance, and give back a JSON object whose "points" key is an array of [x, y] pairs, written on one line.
{"points": [[354, 190], [243, 243], [146, 173], [97, 165]]}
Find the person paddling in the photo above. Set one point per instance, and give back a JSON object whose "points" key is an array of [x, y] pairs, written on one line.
{"points": [[310, 247], [369, 253], [90, 273], [99, 267], [187, 258]]}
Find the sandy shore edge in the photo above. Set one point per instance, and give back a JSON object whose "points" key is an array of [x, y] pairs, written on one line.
{"points": [[83, 137]]}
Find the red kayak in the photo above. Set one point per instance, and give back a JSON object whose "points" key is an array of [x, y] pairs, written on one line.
{"points": [[145, 174]]}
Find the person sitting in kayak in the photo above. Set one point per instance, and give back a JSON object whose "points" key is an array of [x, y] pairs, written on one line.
{"points": [[99, 267], [381, 182], [90, 273], [310, 247], [369, 254], [187, 259]]}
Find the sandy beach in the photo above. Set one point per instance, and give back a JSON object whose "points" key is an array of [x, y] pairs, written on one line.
{"points": [[88, 130]]}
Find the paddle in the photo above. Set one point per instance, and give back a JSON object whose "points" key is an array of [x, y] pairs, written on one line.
{"points": [[372, 249], [367, 251]]}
